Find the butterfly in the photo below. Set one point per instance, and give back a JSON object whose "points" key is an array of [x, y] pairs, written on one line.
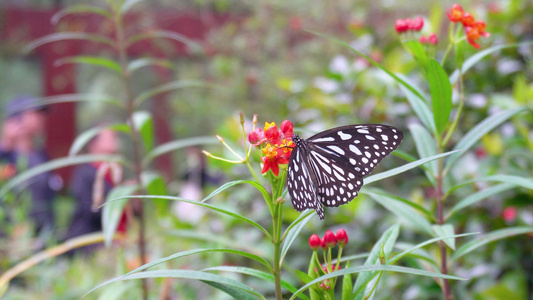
{"points": [[327, 169]]}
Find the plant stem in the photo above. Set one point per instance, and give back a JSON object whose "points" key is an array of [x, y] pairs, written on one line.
{"points": [[440, 220], [276, 218], [123, 58]]}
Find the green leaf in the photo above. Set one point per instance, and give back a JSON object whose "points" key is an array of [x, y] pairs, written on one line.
{"points": [[426, 147], [258, 274], [443, 231], [375, 268], [62, 36], [185, 274], [347, 285], [386, 242], [372, 62], [177, 144], [480, 130], [145, 126], [441, 94], [398, 256], [155, 185], [293, 232], [420, 108], [112, 212], [80, 8], [55, 164], [402, 210], [416, 206], [418, 51], [90, 60], [212, 207], [199, 251], [76, 98], [478, 196], [167, 34], [488, 238], [171, 86], [405, 167], [136, 64], [260, 188], [234, 292], [474, 59], [85, 137]]}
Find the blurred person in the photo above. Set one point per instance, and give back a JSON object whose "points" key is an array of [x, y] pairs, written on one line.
{"points": [[87, 217], [21, 148]]}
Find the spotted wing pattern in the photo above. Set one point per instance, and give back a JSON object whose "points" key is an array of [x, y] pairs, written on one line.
{"points": [[328, 168]]}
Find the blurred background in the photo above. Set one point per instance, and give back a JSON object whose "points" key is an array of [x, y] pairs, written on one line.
{"points": [[259, 58]]}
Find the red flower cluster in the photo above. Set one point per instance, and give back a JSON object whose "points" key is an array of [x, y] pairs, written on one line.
{"points": [[276, 144], [431, 39], [409, 24], [329, 240], [473, 29]]}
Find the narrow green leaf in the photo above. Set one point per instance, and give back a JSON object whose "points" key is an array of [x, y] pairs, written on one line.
{"points": [[155, 185], [405, 167], [55, 164], [185, 274], [79, 8], [386, 242], [418, 51], [443, 231], [420, 108], [293, 233], [375, 268], [258, 274], [62, 36], [426, 147], [171, 86], [234, 292], [136, 64], [401, 210], [488, 238], [347, 285], [85, 137], [145, 126], [90, 60], [167, 34], [474, 59], [199, 251], [441, 94], [479, 131], [478, 196], [178, 144], [212, 207], [398, 256], [260, 188], [76, 98], [416, 206], [112, 212]]}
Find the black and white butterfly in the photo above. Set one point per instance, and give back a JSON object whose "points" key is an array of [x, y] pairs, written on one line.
{"points": [[328, 168]]}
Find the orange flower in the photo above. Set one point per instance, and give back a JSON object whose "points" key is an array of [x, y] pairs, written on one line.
{"points": [[455, 14], [468, 20]]}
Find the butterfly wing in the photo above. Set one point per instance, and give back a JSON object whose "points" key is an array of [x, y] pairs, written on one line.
{"points": [[301, 182], [342, 156]]}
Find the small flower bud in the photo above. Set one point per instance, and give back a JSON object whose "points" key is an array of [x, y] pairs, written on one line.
{"points": [[417, 24], [409, 23], [323, 245], [329, 239], [432, 39], [314, 242], [423, 40], [286, 128], [401, 26], [342, 237]]}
